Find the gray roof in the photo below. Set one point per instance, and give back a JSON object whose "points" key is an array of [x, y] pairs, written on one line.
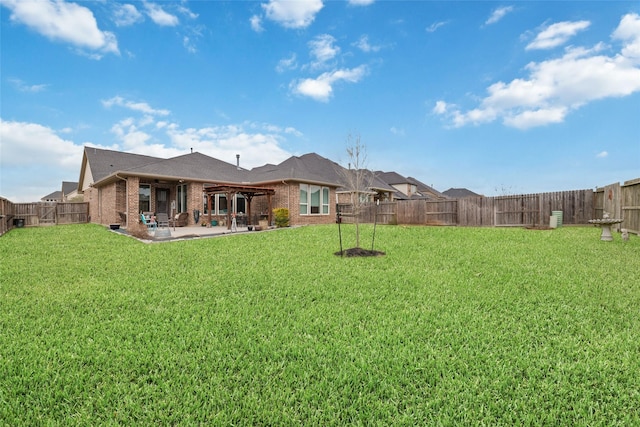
{"points": [[105, 162], [422, 187], [422, 190], [391, 178], [309, 167], [195, 166], [56, 195], [459, 193], [69, 187]]}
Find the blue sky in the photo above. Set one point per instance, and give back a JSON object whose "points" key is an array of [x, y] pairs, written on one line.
{"points": [[498, 97]]}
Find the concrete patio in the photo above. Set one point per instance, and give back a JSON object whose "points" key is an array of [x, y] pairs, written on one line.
{"points": [[167, 234]]}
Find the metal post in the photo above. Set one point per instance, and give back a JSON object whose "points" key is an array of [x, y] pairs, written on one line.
{"points": [[339, 229], [375, 222]]}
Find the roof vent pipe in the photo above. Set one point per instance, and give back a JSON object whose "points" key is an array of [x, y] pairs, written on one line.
{"points": [[238, 161]]}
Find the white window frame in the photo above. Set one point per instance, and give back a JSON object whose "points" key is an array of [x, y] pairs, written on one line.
{"points": [[181, 198], [148, 188], [306, 199]]}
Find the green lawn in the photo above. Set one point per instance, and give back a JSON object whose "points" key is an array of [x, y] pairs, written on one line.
{"points": [[454, 326]]}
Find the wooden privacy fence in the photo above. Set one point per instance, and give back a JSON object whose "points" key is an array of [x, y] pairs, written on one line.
{"points": [[6, 215], [44, 213], [521, 210], [620, 201]]}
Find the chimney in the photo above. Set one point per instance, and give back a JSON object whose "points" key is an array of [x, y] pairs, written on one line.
{"points": [[238, 161], [191, 150]]}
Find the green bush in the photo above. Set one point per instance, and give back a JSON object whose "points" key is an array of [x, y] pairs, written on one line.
{"points": [[281, 217]]}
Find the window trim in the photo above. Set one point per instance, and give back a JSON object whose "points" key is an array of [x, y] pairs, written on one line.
{"points": [[181, 190], [305, 207], [147, 187]]}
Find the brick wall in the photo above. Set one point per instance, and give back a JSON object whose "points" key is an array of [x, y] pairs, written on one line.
{"points": [[102, 204], [106, 202], [195, 200], [288, 196], [90, 196]]}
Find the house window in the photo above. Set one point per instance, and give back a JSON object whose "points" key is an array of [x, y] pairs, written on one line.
{"points": [[304, 197], [144, 197], [325, 200], [314, 200], [240, 204], [219, 205], [182, 198], [222, 204], [205, 208]]}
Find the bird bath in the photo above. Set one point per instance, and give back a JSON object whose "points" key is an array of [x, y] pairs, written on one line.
{"points": [[605, 224]]}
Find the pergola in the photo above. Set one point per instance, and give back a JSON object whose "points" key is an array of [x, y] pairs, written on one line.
{"points": [[248, 192]]}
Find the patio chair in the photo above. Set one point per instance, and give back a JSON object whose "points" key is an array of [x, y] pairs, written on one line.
{"points": [[163, 220], [180, 220], [150, 223]]}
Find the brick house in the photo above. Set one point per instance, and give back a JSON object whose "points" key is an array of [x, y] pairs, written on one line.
{"points": [[119, 186]]}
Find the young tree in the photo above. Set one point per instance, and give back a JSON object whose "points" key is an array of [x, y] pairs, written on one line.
{"points": [[357, 179]]}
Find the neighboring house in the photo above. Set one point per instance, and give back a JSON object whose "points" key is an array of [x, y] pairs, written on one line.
{"points": [[119, 186], [69, 191], [427, 191], [408, 188], [460, 193], [56, 196]]}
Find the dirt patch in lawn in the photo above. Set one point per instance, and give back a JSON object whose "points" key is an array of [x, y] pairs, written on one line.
{"points": [[538, 227], [356, 252]]}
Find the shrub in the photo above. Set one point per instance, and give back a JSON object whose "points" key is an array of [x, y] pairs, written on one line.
{"points": [[281, 217], [139, 231]]}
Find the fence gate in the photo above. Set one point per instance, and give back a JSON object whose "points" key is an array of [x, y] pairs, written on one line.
{"points": [[47, 214], [517, 210]]}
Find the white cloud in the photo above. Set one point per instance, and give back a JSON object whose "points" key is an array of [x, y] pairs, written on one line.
{"points": [[322, 48], [23, 87], [498, 14], [361, 2], [532, 118], [629, 31], [396, 131], [67, 22], [31, 143], [292, 14], [321, 88], [557, 34], [160, 16], [257, 146], [256, 24], [435, 26], [285, 64], [602, 155], [130, 131], [364, 45], [187, 12], [35, 160], [188, 44], [126, 14], [441, 107], [141, 107], [555, 87], [130, 135]]}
